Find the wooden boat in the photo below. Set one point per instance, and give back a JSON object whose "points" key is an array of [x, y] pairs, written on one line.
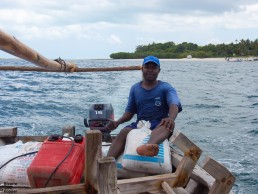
{"points": [[233, 60], [100, 172]]}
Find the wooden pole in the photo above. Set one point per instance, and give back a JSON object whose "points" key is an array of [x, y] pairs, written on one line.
{"points": [[93, 152], [13, 46], [89, 69]]}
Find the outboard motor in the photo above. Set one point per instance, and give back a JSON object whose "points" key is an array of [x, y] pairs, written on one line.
{"points": [[99, 116]]}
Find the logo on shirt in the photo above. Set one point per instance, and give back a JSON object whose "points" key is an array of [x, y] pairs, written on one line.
{"points": [[157, 101]]}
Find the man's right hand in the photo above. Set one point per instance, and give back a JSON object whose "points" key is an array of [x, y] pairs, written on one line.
{"points": [[112, 125]]}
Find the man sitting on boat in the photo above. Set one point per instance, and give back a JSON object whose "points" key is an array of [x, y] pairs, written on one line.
{"points": [[152, 100]]}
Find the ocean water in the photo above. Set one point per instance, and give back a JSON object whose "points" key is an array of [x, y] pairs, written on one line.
{"points": [[220, 105]]}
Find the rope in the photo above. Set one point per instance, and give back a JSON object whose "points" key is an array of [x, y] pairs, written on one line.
{"points": [[62, 63]]}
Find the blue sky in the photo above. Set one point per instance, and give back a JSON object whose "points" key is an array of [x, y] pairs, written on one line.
{"points": [[93, 29]]}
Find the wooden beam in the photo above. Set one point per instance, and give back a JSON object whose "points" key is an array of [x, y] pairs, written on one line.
{"points": [[68, 130], [144, 184], [195, 187], [198, 174], [107, 176], [8, 131], [167, 188], [186, 146], [93, 152], [191, 155], [180, 190], [204, 180], [71, 189], [224, 179], [25, 139]]}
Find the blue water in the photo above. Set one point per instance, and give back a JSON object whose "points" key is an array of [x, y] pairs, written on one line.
{"points": [[220, 105]]}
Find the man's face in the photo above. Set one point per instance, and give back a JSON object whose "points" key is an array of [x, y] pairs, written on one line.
{"points": [[150, 71]]}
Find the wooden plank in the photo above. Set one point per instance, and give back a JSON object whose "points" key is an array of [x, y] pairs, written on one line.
{"points": [[71, 189], [107, 176], [25, 139], [167, 188], [180, 190], [93, 152], [202, 177], [198, 173], [183, 172], [224, 178], [195, 187], [68, 131], [8, 131], [186, 146], [215, 169], [2, 142], [186, 165], [144, 184]]}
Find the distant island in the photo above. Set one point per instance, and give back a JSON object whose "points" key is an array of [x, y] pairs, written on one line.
{"points": [[170, 50]]}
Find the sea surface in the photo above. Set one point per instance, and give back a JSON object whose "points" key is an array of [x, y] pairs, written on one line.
{"points": [[220, 105]]}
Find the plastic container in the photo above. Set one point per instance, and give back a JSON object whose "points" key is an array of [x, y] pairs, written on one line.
{"points": [[49, 157]]}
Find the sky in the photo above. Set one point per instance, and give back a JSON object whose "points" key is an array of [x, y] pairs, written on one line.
{"points": [[94, 29]]}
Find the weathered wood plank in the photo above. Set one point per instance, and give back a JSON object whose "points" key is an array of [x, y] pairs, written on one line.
{"points": [[180, 190], [195, 187], [167, 188], [224, 178], [71, 189], [93, 152], [186, 165], [198, 173], [2, 142], [107, 175], [202, 177], [144, 184], [8, 131], [25, 139], [186, 146], [69, 131]]}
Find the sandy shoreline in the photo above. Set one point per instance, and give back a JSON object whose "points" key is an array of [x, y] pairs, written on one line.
{"points": [[195, 59], [183, 59]]}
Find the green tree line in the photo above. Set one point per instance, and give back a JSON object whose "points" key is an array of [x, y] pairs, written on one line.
{"points": [[170, 50]]}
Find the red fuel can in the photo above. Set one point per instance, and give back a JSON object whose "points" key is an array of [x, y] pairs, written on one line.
{"points": [[50, 155]]}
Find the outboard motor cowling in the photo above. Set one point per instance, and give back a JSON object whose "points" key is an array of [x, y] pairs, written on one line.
{"points": [[99, 116]]}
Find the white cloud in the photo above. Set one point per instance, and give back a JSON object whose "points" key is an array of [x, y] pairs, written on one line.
{"points": [[113, 39], [126, 24], [23, 17]]}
